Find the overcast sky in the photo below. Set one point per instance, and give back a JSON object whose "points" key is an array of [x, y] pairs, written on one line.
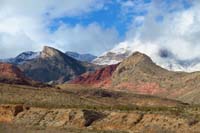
{"points": [[95, 26]]}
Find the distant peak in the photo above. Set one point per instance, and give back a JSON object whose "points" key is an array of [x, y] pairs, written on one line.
{"points": [[138, 57], [47, 48], [49, 52], [137, 53]]}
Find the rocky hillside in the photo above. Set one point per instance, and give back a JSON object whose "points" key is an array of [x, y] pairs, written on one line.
{"points": [[53, 65], [24, 109], [31, 109], [95, 121], [11, 74], [98, 78], [140, 74], [10, 71]]}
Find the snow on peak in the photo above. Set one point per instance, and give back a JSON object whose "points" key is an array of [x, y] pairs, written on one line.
{"points": [[21, 58], [161, 56]]}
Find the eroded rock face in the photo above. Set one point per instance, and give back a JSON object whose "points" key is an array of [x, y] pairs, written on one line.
{"points": [[139, 74], [8, 112], [99, 120], [10, 71], [48, 52], [101, 77], [12, 75], [58, 117]]}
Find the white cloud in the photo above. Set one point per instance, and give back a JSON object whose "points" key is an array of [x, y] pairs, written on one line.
{"points": [[179, 32], [24, 26], [85, 39]]}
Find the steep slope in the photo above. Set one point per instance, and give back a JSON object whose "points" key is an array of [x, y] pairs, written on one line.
{"points": [[98, 78], [53, 65], [140, 74], [81, 57]]}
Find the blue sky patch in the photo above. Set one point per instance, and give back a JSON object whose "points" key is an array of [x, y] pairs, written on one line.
{"points": [[112, 15]]}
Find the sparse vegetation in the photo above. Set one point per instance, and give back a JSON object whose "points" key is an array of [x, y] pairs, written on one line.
{"points": [[8, 128], [97, 106]]}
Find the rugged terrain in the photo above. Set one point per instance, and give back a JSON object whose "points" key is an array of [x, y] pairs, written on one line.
{"points": [[93, 110], [98, 78], [139, 74], [135, 96], [162, 56], [54, 66], [11, 74], [30, 109]]}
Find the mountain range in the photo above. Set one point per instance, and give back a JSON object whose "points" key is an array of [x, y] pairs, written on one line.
{"points": [[51, 65], [139, 74], [30, 55], [163, 57], [135, 94], [54, 66], [21, 58]]}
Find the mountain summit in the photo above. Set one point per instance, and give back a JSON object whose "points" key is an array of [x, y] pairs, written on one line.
{"points": [[49, 52], [53, 65], [138, 67], [163, 57]]}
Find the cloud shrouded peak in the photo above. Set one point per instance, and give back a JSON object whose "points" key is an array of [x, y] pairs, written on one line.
{"points": [[93, 26], [167, 32]]}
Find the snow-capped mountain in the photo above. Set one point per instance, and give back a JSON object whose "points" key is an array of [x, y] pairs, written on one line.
{"points": [[81, 57], [161, 56], [115, 55], [29, 55], [21, 58]]}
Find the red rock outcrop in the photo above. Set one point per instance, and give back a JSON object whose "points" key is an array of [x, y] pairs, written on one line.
{"points": [[11, 74], [101, 77], [10, 71]]}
